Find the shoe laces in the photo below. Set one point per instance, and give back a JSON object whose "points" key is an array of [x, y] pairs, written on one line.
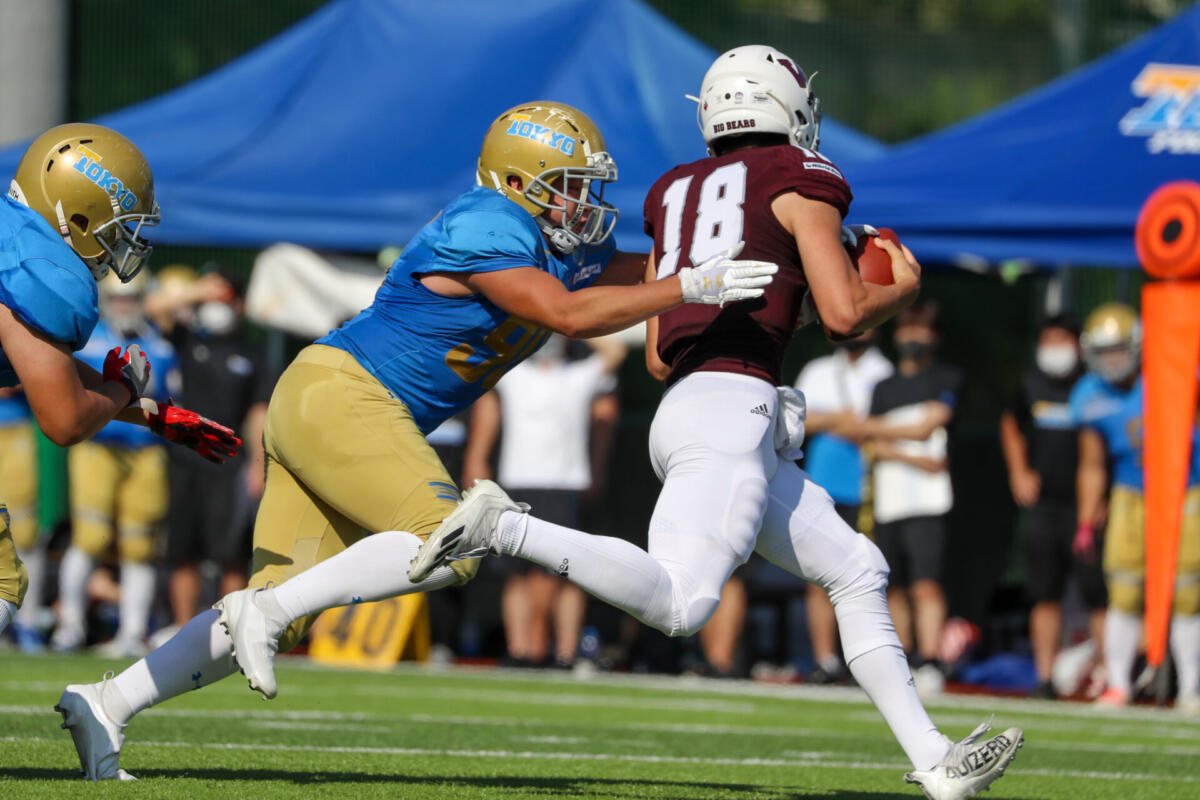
{"points": [[959, 748]]}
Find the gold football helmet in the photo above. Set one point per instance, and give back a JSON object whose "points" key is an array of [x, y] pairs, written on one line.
{"points": [[1112, 342], [95, 188], [558, 155]]}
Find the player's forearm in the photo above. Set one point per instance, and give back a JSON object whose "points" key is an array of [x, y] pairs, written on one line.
{"points": [[1090, 483], [79, 415], [878, 304], [600, 310]]}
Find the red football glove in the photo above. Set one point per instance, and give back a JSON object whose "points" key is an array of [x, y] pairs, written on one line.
{"points": [[187, 428], [132, 370]]}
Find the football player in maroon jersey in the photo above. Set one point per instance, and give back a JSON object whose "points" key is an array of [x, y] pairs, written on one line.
{"points": [[726, 491]]}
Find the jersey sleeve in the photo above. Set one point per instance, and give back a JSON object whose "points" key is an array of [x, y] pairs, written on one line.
{"points": [[52, 300], [486, 241], [808, 173]]}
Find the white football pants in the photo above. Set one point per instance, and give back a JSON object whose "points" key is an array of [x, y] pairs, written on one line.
{"points": [[725, 494]]}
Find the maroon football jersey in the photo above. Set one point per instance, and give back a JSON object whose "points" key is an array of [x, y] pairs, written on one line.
{"points": [[699, 210]]}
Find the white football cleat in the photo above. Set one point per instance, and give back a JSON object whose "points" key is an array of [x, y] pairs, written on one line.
{"points": [[97, 738], [971, 765], [255, 638], [469, 531]]}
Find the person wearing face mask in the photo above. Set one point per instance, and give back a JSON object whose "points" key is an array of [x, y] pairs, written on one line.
{"points": [[837, 389], [1038, 439], [226, 375], [908, 431]]}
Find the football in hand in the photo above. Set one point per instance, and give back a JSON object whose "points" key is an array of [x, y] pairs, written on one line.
{"points": [[873, 262]]}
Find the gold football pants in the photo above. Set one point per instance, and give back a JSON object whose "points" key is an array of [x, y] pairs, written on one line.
{"points": [[121, 489], [1125, 552], [344, 460], [18, 481]]}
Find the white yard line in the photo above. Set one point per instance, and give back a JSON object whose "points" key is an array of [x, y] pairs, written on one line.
{"points": [[807, 760], [371, 723]]}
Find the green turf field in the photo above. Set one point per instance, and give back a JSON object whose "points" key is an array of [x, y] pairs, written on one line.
{"points": [[417, 733]]}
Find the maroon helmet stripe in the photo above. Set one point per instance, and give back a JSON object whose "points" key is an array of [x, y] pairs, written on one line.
{"points": [[797, 73]]}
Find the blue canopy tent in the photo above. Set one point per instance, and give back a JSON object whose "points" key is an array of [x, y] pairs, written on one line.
{"points": [[1055, 177], [351, 129]]}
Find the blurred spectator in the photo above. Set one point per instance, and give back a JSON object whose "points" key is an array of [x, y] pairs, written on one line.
{"points": [[18, 476], [225, 378], [1039, 441], [1107, 405], [837, 389], [911, 412], [544, 408], [118, 481]]}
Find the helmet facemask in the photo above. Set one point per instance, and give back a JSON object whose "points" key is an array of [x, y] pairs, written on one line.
{"points": [[593, 219], [123, 250]]}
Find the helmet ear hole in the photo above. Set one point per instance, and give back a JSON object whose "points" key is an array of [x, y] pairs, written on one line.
{"points": [[81, 222]]}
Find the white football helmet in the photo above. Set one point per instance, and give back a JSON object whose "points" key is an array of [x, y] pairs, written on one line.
{"points": [[757, 89]]}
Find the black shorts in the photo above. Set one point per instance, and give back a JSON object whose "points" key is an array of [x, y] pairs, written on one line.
{"points": [[914, 547], [1049, 530], [560, 506], [209, 518]]}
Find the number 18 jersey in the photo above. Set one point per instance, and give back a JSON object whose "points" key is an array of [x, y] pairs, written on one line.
{"points": [[699, 210]]}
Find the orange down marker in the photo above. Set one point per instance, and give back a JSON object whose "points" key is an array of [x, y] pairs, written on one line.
{"points": [[1168, 246]]}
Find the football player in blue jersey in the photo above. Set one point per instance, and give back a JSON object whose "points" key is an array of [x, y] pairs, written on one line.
{"points": [[1107, 406], [74, 211], [118, 483], [352, 486]]}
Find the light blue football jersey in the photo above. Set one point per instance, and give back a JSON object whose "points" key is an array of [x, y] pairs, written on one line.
{"points": [[164, 379], [43, 282], [1116, 414], [438, 354]]}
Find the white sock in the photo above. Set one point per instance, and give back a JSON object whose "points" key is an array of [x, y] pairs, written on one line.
{"points": [[1122, 631], [882, 672], [137, 595], [1185, 647], [617, 572], [7, 610], [371, 569], [35, 569], [73, 576], [200, 654]]}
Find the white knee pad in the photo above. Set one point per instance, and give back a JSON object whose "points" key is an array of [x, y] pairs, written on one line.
{"points": [[859, 597], [693, 594], [866, 571]]}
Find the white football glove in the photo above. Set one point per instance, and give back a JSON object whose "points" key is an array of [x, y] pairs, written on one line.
{"points": [[789, 423], [852, 233], [722, 280]]}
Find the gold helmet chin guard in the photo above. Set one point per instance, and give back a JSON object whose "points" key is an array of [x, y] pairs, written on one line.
{"points": [[95, 188], [558, 155]]}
